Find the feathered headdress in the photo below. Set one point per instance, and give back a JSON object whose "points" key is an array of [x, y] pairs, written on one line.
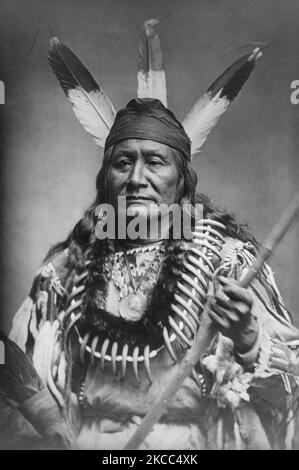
{"points": [[96, 112]]}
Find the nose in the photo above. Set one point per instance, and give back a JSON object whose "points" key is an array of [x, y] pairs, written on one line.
{"points": [[137, 177]]}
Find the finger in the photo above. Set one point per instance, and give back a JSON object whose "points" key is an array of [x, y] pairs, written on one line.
{"points": [[230, 315], [238, 309], [242, 309], [239, 294], [222, 299], [222, 324], [227, 280], [234, 291]]}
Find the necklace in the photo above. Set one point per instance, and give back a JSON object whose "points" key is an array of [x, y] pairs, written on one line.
{"points": [[132, 306]]}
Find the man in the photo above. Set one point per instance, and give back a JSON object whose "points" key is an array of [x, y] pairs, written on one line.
{"points": [[108, 321]]}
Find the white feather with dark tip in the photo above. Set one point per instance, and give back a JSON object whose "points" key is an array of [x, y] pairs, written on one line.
{"points": [[151, 75], [90, 104], [210, 106]]}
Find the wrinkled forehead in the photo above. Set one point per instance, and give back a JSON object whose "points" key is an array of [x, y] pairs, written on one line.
{"points": [[144, 147]]}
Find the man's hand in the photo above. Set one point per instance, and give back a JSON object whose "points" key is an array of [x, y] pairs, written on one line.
{"points": [[231, 313]]}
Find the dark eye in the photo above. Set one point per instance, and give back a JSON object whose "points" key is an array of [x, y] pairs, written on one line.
{"points": [[122, 163], [155, 162]]}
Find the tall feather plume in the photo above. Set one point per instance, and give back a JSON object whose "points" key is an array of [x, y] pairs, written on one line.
{"points": [[210, 106], [90, 104], [151, 75]]}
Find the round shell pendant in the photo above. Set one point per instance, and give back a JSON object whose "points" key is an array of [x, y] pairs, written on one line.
{"points": [[132, 306]]}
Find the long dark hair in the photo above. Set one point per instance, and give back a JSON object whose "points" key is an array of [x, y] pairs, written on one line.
{"points": [[82, 243], [82, 237]]}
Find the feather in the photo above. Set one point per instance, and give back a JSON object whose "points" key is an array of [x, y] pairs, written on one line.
{"points": [[90, 104], [210, 106], [18, 377], [20, 382], [151, 75]]}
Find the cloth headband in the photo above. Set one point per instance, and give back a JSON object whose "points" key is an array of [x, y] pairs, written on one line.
{"points": [[149, 119]]}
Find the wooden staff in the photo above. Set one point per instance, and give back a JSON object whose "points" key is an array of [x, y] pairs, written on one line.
{"points": [[207, 330]]}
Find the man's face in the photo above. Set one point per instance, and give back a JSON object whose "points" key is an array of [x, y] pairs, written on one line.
{"points": [[143, 171]]}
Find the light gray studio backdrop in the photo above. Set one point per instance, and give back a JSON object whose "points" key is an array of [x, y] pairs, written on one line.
{"points": [[249, 164]]}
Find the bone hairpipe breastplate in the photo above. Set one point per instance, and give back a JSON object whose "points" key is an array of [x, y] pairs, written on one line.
{"points": [[184, 311]]}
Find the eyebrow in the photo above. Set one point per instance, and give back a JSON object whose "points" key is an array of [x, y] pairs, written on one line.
{"points": [[156, 152], [146, 153], [123, 152]]}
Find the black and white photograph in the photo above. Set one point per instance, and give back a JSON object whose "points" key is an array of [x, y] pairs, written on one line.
{"points": [[149, 227]]}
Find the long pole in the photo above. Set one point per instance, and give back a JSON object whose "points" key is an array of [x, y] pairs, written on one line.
{"points": [[207, 330]]}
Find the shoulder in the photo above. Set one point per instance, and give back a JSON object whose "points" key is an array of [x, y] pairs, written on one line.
{"points": [[234, 248], [40, 305], [57, 264], [53, 273]]}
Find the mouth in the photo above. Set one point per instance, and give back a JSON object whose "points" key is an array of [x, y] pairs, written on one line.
{"points": [[140, 199]]}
